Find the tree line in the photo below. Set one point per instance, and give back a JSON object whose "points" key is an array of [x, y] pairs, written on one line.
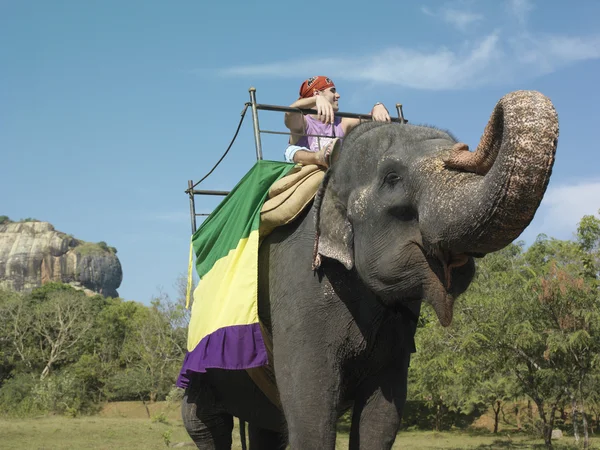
{"points": [[525, 337], [64, 352]]}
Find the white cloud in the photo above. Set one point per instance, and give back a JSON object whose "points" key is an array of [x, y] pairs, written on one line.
{"points": [[489, 60], [427, 11], [501, 56], [563, 207], [546, 53], [458, 18], [438, 69], [520, 9]]}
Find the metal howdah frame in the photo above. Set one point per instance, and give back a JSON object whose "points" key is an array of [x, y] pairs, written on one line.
{"points": [[255, 107]]}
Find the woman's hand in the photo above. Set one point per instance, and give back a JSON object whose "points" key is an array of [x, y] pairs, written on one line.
{"points": [[380, 113]]}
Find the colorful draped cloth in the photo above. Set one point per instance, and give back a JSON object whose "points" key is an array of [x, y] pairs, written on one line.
{"points": [[224, 330]]}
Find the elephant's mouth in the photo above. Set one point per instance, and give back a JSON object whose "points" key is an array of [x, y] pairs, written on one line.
{"points": [[422, 273], [450, 260], [443, 262], [442, 288]]}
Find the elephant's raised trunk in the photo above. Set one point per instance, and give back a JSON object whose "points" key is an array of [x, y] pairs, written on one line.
{"points": [[491, 195]]}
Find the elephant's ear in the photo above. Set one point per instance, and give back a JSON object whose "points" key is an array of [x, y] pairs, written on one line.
{"points": [[334, 235]]}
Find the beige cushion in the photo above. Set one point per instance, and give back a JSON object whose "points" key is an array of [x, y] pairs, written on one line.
{"points": [[289, 196]]}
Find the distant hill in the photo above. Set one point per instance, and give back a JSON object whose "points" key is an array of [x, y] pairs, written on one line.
{"points": [[33, 253]]}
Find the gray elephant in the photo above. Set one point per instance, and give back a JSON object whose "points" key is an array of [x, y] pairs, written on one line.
{"points": [[398, 220]]}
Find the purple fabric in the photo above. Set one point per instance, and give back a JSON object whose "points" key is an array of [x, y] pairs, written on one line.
{"points": [[316, 127], [234, 348]]}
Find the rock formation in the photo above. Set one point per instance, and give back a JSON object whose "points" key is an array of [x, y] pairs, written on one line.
{"points": [[34, 253]]}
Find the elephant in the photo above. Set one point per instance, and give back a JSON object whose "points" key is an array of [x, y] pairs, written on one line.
{"points": [[399, 219]]}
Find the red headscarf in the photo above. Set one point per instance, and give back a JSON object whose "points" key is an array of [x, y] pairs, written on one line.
{"points": [[315, 84]]}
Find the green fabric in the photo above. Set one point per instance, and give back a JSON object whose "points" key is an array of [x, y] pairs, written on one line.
{"points": [[236, 216]]}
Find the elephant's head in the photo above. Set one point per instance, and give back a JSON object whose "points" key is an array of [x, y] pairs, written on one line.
{"points": [[408, 207]]}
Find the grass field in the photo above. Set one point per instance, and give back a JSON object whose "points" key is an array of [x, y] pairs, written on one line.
{"points": [[126, 426]]}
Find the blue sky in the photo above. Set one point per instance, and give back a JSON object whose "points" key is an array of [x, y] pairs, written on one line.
{"points": [[107, 108]]}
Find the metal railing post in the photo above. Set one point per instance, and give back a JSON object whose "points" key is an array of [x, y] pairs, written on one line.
{"points": [[257, 142], [192, 205]]}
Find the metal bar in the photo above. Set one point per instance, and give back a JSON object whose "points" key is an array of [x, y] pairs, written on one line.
{"points": [[257, 142], [192, 206], [312, 111], [205, 192], [287, 133]]}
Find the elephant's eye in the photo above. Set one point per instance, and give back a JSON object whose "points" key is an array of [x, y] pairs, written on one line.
{"points": [[405, 212], [392, 178]]}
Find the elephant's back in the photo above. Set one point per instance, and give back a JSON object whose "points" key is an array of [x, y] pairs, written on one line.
{"points": [[285, 265]]}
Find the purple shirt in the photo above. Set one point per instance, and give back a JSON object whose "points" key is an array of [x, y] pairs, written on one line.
{"points": [[316, 127]]}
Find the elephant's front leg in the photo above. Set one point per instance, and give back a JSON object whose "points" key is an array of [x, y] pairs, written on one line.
{"points": [[309, 393], [378, 411]]}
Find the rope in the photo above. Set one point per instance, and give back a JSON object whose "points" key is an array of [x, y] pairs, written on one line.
{"points": [[226, 151], [188, 290]]}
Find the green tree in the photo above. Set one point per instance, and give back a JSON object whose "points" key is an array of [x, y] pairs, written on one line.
{"points": [[17, 337], [538, 311], [62, 351], [156, 346], [501, 320], [436, 369], [61, 322]]}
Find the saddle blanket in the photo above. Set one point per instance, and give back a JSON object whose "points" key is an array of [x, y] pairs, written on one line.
{"points": [[224, 330]]}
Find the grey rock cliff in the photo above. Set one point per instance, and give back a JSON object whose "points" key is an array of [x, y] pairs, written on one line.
{"points": [[34, 253]]}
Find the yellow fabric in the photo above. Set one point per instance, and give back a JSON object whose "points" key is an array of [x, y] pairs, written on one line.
{"points": [[238, 300], [237, 304]]}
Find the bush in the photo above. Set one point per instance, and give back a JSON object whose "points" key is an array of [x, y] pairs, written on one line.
{"points": [[417, 414], [167, 437], [160, 418], [175, 395], [128, 385], [43, 293], [4, 219], [63, 393], [89, 248], [104, 246], [57, 394], [15, 396]]}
